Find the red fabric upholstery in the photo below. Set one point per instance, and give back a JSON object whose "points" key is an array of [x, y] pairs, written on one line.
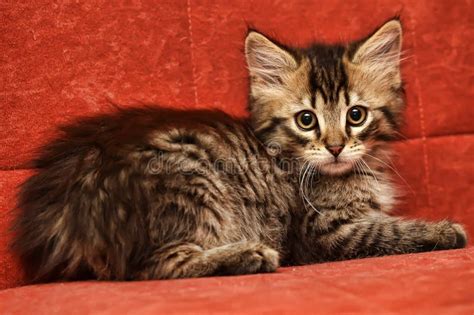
{"points": [[409, 284], [61, 60]]}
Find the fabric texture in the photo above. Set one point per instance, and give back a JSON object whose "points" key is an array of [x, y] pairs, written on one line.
{"points": [[423, 284], [65, 59]]}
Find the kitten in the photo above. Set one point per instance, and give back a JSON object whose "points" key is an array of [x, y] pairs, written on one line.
{"points": [[157, 193]]}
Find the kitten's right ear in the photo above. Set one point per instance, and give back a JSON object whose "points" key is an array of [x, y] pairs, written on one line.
{"points": [[267, 62]]}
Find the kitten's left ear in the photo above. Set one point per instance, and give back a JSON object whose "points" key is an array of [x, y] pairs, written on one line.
{"points": [[380, 53]]}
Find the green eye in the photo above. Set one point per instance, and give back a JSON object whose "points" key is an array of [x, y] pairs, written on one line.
{"points": [[306, 120], [356, 115]]}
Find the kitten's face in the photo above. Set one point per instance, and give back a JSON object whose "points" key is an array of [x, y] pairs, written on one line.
{"points": [[330, 106]]}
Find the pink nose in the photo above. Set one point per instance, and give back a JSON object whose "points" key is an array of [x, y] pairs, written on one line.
{"points": [[335, 149]]}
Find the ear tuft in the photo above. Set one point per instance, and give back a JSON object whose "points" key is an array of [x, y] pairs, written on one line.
{"points": [[381, 51], [267, 62]]}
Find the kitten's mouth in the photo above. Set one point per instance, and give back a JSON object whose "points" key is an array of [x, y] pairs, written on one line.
{"points": [[336, 167]]}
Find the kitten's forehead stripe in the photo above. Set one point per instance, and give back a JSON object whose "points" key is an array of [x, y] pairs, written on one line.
{"points": [[313, 87], [328, 75]]}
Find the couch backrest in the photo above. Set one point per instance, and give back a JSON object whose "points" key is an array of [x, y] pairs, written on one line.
{"points": [[60, 61]]}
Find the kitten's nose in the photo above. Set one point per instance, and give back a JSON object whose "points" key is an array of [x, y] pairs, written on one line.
{"points": [[335, 149]]}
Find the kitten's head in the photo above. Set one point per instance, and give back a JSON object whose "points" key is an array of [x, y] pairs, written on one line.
{"points": [[330, 105]]}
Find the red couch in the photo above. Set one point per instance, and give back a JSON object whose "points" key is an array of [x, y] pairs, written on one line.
{"points": [[60, 60]]}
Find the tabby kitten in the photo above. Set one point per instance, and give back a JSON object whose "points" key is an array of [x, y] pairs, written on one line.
{"points": [[157, 193]]}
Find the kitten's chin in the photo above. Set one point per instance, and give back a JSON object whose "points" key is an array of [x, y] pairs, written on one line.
{"points": [[335, 168]]}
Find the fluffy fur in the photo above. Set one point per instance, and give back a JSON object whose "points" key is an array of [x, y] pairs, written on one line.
{"points": [[156, 193]]}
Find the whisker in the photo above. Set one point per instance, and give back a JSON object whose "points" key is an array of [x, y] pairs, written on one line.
{"points": [[394, 170], [306, 200], [371, 171], [359, 166]]}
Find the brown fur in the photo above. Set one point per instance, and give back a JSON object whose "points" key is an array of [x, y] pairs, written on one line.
{"points": [[156, 193]]}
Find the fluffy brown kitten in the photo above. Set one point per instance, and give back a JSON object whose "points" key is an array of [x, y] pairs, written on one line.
{"points": [[157, 193]]}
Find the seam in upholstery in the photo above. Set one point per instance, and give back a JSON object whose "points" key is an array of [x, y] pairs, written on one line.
{"points": [[421, 112], [191, 46]]}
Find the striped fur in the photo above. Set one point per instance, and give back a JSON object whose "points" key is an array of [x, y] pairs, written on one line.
{"points": [[157, 193]]}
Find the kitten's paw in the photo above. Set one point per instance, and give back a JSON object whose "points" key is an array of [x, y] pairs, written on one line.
{"points": [[461, 235], [259, 258], [451, 235]]}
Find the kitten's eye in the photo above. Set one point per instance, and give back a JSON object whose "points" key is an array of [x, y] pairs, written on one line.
{"points": [[356, 115], [306, 120]]}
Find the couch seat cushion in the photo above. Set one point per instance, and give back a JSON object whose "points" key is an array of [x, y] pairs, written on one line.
{"points": [[428, 283]]}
